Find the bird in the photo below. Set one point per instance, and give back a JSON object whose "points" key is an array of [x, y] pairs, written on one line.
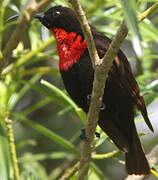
{"points": [[121, 94]]}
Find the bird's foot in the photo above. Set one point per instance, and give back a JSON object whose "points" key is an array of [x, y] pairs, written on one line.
{"points": [[84, 138]]}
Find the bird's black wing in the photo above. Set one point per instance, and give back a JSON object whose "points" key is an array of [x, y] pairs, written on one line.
{"points": [[122, 74]]}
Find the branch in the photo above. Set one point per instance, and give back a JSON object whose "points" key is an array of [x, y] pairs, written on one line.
{"points": [[24, 23], [101, 69], [152, 159], [149, 11], [70, 172], [12, 147], [87, 32]]}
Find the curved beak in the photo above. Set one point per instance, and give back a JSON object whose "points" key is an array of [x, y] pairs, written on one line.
{"points": [[14, 17], [39, 16]]}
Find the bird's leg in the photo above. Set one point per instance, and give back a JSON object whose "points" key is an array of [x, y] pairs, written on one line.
{"points": [[84, 138], [89, 101], [83, 135]]}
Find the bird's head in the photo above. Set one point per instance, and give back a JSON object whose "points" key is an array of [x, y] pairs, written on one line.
{"points": [[64, 25], [57, 17], [60, 17]]}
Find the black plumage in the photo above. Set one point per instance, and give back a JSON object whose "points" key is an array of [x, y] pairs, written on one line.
{"points": [[121, 95]]}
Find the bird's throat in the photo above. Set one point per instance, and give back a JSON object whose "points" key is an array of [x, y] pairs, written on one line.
{"points": [[70, 47]]}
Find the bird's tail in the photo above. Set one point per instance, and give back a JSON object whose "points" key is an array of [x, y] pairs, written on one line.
{"points": [[142, 107], [136, 162]]}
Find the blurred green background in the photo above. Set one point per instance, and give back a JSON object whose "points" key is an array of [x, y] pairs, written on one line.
{"points": [[46, 123]]}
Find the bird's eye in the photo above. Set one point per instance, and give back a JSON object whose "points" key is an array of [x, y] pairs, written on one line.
{"points": [[56, 13]]}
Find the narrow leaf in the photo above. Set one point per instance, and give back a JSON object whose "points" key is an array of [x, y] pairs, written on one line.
{"points": [[129, 9], [61, 94], [48, 133]]}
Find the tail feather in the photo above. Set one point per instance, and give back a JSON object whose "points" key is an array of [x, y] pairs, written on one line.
{"points": [[136, 162], [141, 106]]}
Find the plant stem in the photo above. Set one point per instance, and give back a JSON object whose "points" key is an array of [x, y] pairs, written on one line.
{"points": [[12, 147], [87, 32], [70, 172], [149, 11], [101, 69], [107, 155]]}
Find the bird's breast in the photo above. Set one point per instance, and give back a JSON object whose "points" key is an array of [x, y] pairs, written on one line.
{"points": [[70, 47]]}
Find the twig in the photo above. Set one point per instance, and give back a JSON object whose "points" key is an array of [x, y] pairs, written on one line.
{"points": [[152, 159], [12, 147], [149, 11], [101, 70], [114, 47], [24, 23], [107, 155], [59, 171], [27, 57], [70, 172], [87, 32]]}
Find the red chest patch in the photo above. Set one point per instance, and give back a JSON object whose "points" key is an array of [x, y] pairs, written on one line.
{"points": [[69, 47]]}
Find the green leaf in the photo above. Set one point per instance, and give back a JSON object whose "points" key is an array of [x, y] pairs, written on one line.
{"points": [[14, 8], [67, 99], [3, 95], [149, 31], [48, 133], [6, 171], [44, 156], [16, 97], [98, 171], [31, 169], [36, 106], [129, 9], [33, 53], [45, 92]]}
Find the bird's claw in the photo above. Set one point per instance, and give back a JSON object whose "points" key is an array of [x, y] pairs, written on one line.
{"points": [[83, 135], [84, 138]]}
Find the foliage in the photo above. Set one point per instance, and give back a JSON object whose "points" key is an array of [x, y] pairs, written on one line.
{"points": [[42, 105]]}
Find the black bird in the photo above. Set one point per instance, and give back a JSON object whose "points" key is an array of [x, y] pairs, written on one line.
{"points": [[121, 94]]}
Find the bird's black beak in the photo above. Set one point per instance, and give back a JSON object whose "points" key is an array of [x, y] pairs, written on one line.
{"points": [[43, 19], [39, 16]]}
